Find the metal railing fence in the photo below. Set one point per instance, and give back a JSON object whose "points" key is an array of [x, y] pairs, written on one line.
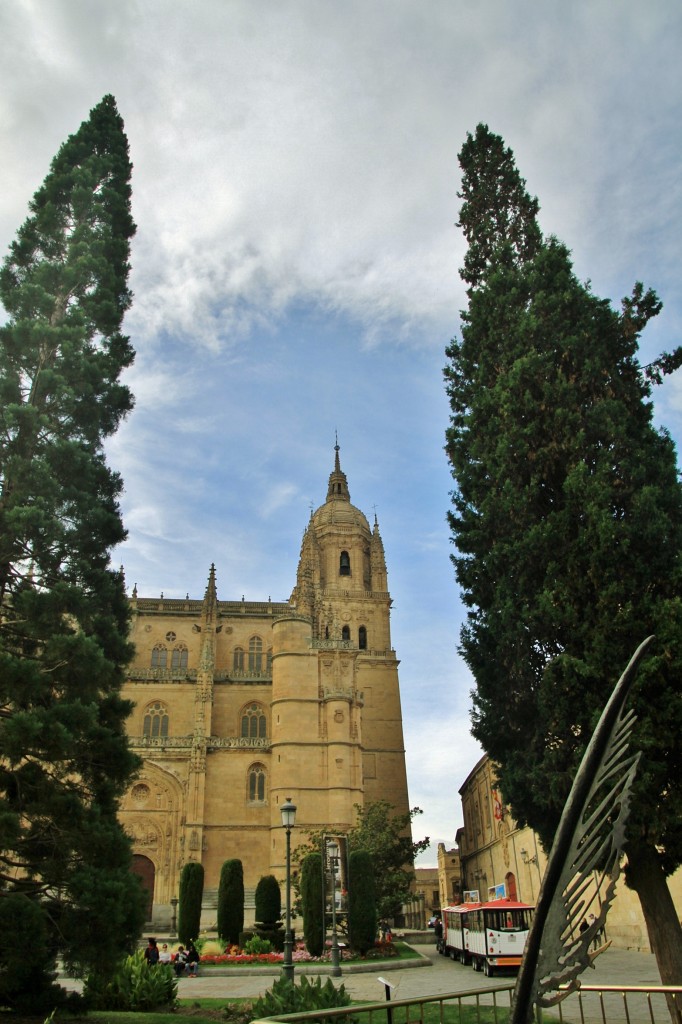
{"points": [[591, 1004]]}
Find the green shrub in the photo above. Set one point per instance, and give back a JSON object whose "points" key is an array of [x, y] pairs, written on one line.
{"points": [[268, 901], [189, 909], [27, 963], [231, 901], [362, 908], [313, 903], [134, 987], [256, 945], [286, 997], [244, 937]]}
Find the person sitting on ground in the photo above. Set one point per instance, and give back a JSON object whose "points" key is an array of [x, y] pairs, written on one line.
{"points": [[151, 953], [164, 954], [193, 960], [180, 961]]}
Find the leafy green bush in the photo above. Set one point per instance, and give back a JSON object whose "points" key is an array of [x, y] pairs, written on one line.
{"points": [[134, 986], [286, 997], [256, 945]]}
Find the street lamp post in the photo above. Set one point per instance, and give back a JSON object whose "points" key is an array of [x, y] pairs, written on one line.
{"points": [[333, 854], [174, 918], [288, 811]]}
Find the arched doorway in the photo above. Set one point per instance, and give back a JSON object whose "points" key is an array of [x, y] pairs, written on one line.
{"points": [[144, 868], [510, 880]]}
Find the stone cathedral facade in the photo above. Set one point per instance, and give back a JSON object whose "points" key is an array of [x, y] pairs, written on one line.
{"points": [[241, 704]]}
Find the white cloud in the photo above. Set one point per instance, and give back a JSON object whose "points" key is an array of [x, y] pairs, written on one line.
{"points": [[295, 266]]}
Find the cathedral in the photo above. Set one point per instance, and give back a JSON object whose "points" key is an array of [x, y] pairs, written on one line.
{"points": [[242, 704]]}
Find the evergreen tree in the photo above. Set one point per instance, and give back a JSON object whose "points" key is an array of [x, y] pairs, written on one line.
{"points": [[568, 524], [312, 899], [388, 837], [268, 899], [189, 902], [362, 907], [64, 758], [231, 901]]}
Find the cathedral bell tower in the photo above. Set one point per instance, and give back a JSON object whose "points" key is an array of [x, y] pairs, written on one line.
{"points": [[337, 737]]}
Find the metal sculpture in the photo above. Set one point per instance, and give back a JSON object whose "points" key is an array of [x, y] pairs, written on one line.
{"points": [[588, 845]]}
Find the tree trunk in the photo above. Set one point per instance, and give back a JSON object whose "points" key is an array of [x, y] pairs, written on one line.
{"points": [[644, 874]]}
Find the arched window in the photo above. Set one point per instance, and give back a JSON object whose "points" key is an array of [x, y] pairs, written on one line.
{"points": [[254, 722], [255, 654], [257, 784], [362, 638], [238, 659], [155, 720], [344, 564], [179, 657], [345, 633], [159, 656]]}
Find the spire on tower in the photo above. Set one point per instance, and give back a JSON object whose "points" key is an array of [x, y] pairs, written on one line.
{"points": [[338, 485], [211, 595]]}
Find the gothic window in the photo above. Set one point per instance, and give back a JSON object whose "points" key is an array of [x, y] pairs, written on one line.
{"points": [[255, 654], [238, 659], [179, 657], [268, 661], [344, 564], [159, 656], [257, 784], [345, 633], [362, 638], [254, 722], [155, 720]]}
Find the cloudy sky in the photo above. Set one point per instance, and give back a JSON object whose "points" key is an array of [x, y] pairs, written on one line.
{"points": [[295, 265]]}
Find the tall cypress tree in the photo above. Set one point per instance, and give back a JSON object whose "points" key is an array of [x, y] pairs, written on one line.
{"points": [[362, 904], [230, 922], [64, 758], [191, 897], [567, 517], [312, 898]]}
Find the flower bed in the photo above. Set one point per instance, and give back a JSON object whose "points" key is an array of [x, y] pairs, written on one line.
{"points": [[381, 951]]}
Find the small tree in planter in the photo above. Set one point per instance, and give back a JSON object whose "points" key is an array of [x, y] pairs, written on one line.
{"points": [[269, 911], [189, 909], [362, 907], [231, 901], [312, 899]]}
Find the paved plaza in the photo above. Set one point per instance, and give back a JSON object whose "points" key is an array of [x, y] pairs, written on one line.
{"points": [[433, 975]]}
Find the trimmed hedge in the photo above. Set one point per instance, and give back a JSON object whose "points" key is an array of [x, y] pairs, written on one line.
{"points": [[231, 901], [189, 909], [313, 903], [362, 906]]}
